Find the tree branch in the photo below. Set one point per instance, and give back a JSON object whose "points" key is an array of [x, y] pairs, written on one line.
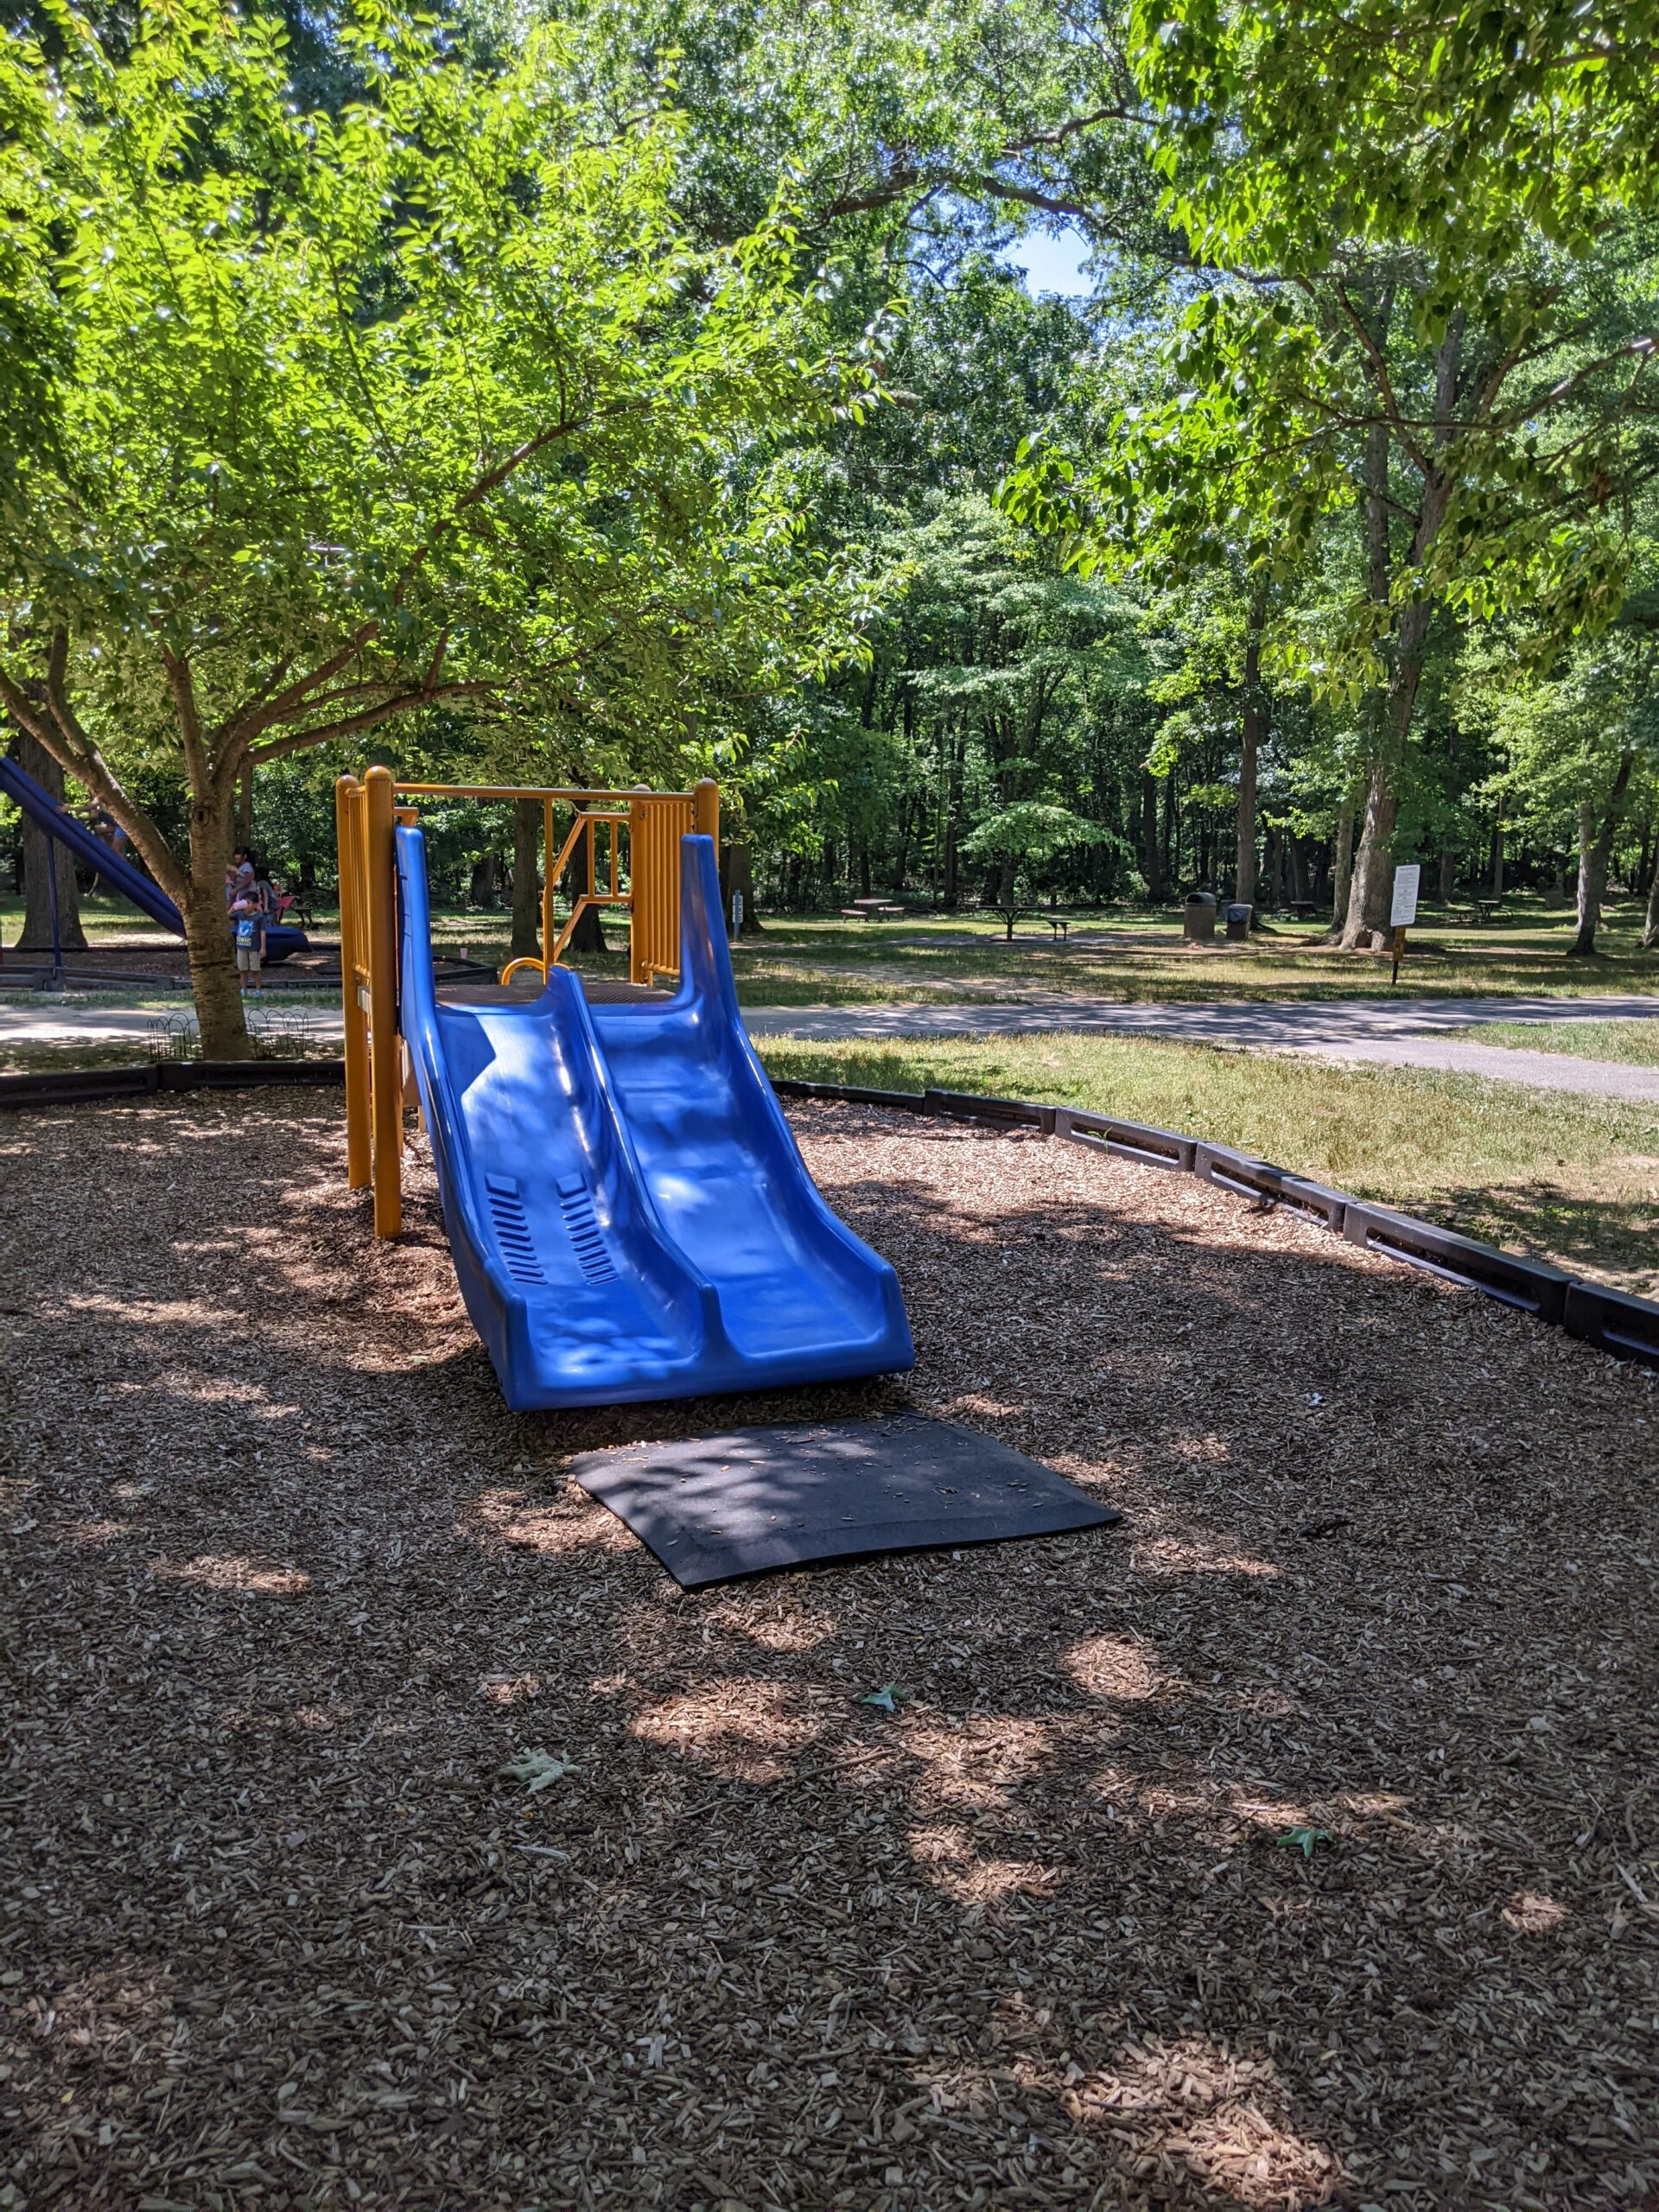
{"points": [[366, 718], [242, 728], [1385, 383], [196, 760]]}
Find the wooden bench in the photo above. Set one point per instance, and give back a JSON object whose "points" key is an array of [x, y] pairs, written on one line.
{"points": [[873, 910]]}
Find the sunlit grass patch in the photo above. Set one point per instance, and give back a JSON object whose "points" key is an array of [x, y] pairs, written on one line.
{"points": [[1573, 1179], [1633, 1043]]}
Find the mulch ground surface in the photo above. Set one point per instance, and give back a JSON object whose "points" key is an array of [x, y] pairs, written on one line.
{"points": [[1292, 1843]]}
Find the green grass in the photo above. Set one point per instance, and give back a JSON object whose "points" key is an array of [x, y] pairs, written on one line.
{"points": [[52, 1059], [805, 961], [931, 959], [1634, 1043], [1572, 1179]]}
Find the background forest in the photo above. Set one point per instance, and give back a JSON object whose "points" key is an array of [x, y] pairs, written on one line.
{"points": [[594, 392]]}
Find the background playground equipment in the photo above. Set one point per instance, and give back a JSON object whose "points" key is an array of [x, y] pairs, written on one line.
{"points": [[116, 871], [628, 1213]]}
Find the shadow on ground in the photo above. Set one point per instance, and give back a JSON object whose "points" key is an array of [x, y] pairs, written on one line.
{"points": [[1282, 1847]]}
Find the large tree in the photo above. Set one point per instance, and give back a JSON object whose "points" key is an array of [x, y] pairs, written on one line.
{"points": [[1427, 306], [340, 418]]}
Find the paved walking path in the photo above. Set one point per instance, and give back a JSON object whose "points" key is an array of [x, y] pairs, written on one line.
{"points": [[1281, 1024], [26, 1021], [1463, 1056], [1399, 1032]]}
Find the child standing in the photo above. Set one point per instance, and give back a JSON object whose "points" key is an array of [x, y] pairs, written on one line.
{"points": [[248, 926]]}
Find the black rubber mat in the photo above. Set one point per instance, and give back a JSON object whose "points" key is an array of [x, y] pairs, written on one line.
{"points": [[712, 1508]]}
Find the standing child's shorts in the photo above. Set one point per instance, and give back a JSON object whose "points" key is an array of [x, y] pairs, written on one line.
{"points": [[248, 957]]}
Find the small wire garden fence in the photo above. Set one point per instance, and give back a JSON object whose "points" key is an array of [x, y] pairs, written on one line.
{"points": [[278, 1033]]}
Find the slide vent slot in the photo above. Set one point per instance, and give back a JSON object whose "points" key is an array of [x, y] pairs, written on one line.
{"points": [[513, 1230], [587, 1238]]}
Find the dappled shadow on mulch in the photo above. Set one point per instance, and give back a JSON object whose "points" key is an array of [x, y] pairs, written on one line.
{"points": [[290, 1586]]}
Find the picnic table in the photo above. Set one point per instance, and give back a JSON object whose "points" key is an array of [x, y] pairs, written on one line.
{"points": [[1056, 923], [872, 910]]}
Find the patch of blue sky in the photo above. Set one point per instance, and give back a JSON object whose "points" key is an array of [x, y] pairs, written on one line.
{"points": [[1051, 261]]}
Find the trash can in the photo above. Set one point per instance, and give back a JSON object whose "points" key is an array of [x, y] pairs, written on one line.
{"points": [[1238, 924], [1198, 918]]}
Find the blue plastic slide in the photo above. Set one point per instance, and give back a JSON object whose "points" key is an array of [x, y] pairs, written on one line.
{"points": [[629, 1215], [117, 871]]}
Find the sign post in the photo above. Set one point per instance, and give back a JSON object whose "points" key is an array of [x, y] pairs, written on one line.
{"points": [[1403, 910]]}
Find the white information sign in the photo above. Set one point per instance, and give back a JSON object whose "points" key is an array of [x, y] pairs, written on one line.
{"points": [[1403, 912]]}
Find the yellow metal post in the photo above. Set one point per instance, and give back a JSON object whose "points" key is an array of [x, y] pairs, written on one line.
{"points": [[348, 799], [548, 921], [639, 897], [705, 810], [385, 1060]]}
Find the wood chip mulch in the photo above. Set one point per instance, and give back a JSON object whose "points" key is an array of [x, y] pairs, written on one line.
{"points": [[1292, 1844]]}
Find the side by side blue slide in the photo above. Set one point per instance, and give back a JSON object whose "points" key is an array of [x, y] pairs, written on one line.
{"points": [[629, 1215], [118, 873]]}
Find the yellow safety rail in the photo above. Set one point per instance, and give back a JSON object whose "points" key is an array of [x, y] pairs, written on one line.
{"points": [[365, 815]]}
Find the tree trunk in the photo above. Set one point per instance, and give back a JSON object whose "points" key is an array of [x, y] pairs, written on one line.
{"points": [[1342, 862], [220, 1013], [46, 860], [480, 891], [1249, 733], [526, 890], [901, 871], [1650, 930], [1296, 862], [737, 873], [1448, 875], [1595, 850], [949, 889], [1390, 707], [1370, 892], [1171, 832], [1497, 852], [1152, 858], [1280, 880]]}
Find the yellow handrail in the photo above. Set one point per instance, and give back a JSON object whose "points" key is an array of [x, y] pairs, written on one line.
{"points": [[366, 815]]}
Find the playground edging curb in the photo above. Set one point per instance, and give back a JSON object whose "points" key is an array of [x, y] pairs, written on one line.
{"points": [[91, 1086], [1612, 1321]]}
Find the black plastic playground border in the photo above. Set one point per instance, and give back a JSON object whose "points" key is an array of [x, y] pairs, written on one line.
{"points": [[92, 1086], [1610, 1320]]}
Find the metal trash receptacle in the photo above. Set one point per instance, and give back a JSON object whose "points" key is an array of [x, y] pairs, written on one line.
{"points": [[1238, 924], [1198, 918]]}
